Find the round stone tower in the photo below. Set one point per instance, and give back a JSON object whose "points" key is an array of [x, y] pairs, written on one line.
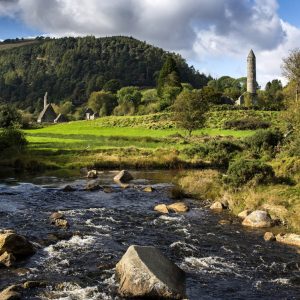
{"points": [[251, 73]]}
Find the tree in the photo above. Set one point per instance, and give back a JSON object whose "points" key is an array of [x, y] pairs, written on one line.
{"points": [[189, 110], [9, 116], [129, 98], [102, 103], [291, 69], [112, 86], [168, 76]]}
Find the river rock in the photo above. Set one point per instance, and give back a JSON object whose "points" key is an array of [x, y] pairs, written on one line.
{"points": [[217, 206], [68, 189], [15, 244], [258, 219], [11, 293], [162, 208], [289, 239], [269, 237], [7, 259], [92, 174], [58, 219], [225, 222], [34, 284], [108, 190], [123, 177], [62, 223], [93, 185], [244, 214], [148, 189], [178, 207], [84, 171], [146, 272], [55, 216]]}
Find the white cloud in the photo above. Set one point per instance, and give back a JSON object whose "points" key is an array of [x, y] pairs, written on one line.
{"points": [[200, 29]]}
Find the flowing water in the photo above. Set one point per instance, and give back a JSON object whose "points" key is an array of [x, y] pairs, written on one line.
{"points": [[221, 261]]}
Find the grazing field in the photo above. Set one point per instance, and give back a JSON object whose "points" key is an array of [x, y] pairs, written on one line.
{"points": [[89, 135], [108, 142]]}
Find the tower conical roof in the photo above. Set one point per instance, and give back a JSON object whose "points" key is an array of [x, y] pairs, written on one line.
{"points": [[251, 53]]}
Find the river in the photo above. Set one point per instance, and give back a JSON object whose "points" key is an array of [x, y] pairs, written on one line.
{"points": [[221, 261]]}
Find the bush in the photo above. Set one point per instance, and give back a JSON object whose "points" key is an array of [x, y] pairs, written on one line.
{"points": [[218, 152], [265, 140], [9, 117], [12, 138], [243, 171], [246, 124]]}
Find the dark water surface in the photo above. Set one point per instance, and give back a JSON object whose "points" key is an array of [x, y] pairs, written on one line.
{"points": [[221, 261]]}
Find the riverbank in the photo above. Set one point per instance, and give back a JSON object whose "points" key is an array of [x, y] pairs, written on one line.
{"points": [[279, 200]]}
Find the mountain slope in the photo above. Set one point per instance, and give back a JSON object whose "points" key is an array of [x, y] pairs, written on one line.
{"points": [[71, 68]]}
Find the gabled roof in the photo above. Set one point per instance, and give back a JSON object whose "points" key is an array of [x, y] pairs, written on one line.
{"points": [[61, 118], [48, 109], [89, 111]]}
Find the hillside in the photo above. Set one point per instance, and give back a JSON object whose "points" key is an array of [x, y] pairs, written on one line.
{"points": [[16, 44], [71, 68]]}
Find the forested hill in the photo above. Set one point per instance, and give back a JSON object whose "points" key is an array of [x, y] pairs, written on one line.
{"points": [[71, 68]]}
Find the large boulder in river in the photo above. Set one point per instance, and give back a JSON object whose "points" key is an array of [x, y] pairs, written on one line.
{"points": [[123, 177], [258, 219], [146, 272], [289, 239], [15, 244]]}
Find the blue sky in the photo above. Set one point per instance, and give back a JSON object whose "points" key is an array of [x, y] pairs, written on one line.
{"points": [[289, 11], [213, 35]]}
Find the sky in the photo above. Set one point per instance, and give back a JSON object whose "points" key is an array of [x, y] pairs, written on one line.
{"points": [[215, 36]]}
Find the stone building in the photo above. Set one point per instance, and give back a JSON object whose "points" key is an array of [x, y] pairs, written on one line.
{"points": [[48, 114], [90, 114], [250, 95], [61, 119]]}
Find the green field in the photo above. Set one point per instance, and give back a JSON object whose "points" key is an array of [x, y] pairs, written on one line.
{"points": [[118, 141], [90, 135]]}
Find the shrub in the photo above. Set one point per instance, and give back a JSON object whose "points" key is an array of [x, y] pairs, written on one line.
{"points": [[9, 117], [12, 138], [246, 124], [265, 140], [218, 152], [243, 171]]}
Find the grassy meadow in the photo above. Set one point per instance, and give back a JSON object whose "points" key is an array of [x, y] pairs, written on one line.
{"points": [[119, 141]]}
